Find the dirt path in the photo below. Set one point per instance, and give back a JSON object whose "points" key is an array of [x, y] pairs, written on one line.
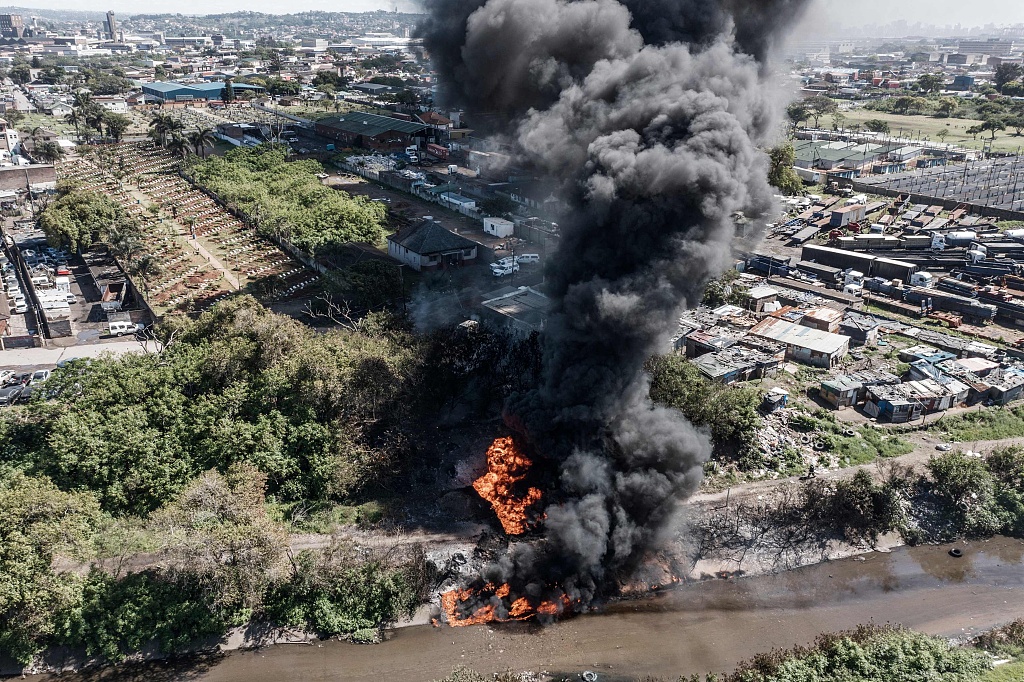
{"points": [[183, 233]]}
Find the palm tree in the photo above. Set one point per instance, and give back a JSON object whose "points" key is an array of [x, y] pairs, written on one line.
{"points": [[48, 152], [82, 99], [164, 125], [94, 114], [145, 268], [201, 139], [178, 146], [75, 119]]}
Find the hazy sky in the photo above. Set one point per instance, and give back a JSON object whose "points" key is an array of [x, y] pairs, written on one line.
{"points": [[968, 13]]}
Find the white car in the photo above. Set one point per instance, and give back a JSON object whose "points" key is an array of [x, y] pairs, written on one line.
{"points": [[71, 298], [528, 258], [504, 262], [502, 271]]}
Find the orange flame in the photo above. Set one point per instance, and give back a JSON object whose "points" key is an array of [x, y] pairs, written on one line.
{"points": [[506, 467], [520, 609]]}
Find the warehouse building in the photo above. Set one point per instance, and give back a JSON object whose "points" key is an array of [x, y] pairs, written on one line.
{"points": [[370, 131], [169, 91]]}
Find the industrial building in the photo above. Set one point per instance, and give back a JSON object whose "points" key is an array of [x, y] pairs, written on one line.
{"points": [[170, 91], [370, 131], [993, 187]]}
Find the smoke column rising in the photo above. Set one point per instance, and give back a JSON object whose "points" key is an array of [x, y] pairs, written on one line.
{"points": [[648, 115]]}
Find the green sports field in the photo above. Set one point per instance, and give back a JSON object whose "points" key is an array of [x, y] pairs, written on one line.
{"points": [[929, 127]]}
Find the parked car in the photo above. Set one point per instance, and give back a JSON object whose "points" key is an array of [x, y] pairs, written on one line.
{"points": [[122, 328], [22, 379], [25, 395], [71, 298], [6, 375], [63, 270], [528, 258], [504, 262], [20, 308], [9, 394], [39, 377], [502, 271]]}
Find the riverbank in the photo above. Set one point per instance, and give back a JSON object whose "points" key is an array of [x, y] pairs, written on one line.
{"points": [[694, 628]]}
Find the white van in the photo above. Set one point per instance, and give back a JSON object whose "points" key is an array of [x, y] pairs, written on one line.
{"points": [[40, 281], [528, 258], [122, 328]]}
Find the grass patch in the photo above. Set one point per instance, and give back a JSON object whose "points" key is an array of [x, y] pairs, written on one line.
{"points": [[851, 446], [325, 520], [986, 424], [1011, 672], [929, 127]]}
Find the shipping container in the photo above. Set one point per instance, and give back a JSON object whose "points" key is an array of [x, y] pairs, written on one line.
{"points": [[891, 268]]}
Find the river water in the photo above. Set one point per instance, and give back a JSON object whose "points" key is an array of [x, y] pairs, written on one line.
{"points": [[700, 627]]}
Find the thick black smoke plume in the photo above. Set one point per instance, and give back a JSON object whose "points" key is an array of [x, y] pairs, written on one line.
{"points": [[649, 114]]}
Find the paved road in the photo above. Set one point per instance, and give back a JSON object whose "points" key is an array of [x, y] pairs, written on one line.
{"points": [[31, 357]]}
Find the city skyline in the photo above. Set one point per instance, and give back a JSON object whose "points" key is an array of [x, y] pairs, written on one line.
{"points": [[867, 12]]}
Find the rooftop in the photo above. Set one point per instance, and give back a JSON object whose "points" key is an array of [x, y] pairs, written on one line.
{"points": [[429, 237], [360, 123], [800, 336]]}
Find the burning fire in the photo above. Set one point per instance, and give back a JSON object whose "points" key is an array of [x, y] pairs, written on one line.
{"points": [[495, 604], [507, 467]]}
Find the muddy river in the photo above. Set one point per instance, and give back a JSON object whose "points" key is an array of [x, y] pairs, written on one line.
{"points": [[700, 627]]}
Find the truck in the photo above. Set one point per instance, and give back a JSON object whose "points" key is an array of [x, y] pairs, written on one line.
{"points": [[438, 151]]}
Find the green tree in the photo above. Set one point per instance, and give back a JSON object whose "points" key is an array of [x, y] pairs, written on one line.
{"points": [[820, 106], [77, 219], [201, 140], [876, 125], [931, 82], [946, 107], [797, 112], [229, 91], [276, 62], [1017, 123], [499, 206], [781, 173], [219, 534], [967, 489], [178, 146], [729, 412], [1007, 73], [40, 523], [20, 73], [993, 125], [48, 152], [116, 125]]}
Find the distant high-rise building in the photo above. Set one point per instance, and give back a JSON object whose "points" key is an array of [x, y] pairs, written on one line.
{"points": [[11, 26], [993, 46], [111, 25]]}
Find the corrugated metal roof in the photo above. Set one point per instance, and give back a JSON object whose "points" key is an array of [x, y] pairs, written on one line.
{"points": [[371, 125], [802, 337]]}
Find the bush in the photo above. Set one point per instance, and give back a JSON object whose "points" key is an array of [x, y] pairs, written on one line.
{"points": [[338, 592], [858, 509], [118, 617], [868, 654], [729, 411], [966, 489], [1005, 641]]}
